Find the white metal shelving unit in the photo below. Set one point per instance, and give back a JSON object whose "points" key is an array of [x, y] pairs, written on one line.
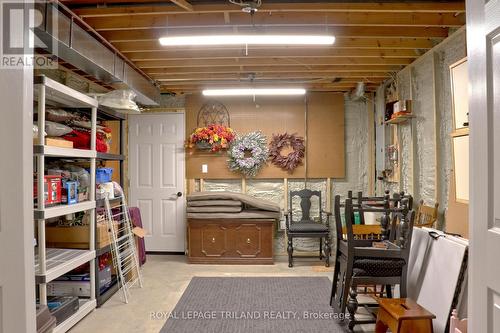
{"points": [[52, 263]]}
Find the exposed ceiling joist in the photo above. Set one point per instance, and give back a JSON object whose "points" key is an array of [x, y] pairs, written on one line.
{"points": [[238, 20], [183, 4], [271, 62], [340, 43], [343, 32], [323, 7], [373, 40], [256, 54], [337, 70], [339, 87], [269, 76]]}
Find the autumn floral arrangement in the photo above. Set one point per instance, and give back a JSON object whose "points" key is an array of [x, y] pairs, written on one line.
{"points": [[212, 137]]}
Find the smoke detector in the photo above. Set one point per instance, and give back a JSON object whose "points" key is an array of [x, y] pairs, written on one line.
{"points": [[248, 6]]}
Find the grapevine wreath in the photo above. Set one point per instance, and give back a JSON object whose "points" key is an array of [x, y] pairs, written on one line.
{"points": [[294, 158], [248, 154]]}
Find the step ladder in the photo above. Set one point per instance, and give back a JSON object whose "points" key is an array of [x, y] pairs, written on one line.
{"points": [[123, 245]]}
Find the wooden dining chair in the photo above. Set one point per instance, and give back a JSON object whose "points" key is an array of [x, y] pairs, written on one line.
{"points": [[361, 232], [426, 215], [306, 227], [362, 264]]}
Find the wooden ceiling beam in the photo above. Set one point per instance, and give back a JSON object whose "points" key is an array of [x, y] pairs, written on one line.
{"points": [[244, 77], [338, 70], [271, 62], [271, 83], [216, 85], [123, 9], [256, 54], [183, 4], [342, 32], [340, 43], [309, 86], [197, 90], [238, 20]]}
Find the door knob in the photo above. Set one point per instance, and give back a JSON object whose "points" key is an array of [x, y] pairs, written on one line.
{"points": [[178, 194]]}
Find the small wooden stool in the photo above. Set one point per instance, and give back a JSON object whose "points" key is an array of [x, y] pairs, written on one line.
{"points": [[403, 315]]}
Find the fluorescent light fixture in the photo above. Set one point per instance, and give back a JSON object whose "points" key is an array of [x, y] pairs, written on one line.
{"points": [[254, 92], [248, 40]]}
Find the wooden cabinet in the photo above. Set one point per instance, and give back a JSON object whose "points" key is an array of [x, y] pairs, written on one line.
{"points": [[230, 241]]}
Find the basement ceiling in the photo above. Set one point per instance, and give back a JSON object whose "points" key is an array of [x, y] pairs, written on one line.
{"points": [[373, 40]]}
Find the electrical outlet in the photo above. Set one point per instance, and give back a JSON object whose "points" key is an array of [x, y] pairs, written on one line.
{"points": [[204, 168]]}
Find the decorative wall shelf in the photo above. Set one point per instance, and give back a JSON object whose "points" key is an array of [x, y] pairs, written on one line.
{"points": [[400, 119]]}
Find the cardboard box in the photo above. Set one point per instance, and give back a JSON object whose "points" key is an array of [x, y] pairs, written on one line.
{"points": [[55, 142], [138, 233], [77, 237], [402, 106], [65, 288], [52, 189]]}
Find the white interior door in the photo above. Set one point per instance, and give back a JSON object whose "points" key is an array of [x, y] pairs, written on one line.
{"points": [[483, 40], [156, 164]]}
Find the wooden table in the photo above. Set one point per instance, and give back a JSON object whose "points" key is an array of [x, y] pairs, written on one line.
{"points": [[403, 315]]}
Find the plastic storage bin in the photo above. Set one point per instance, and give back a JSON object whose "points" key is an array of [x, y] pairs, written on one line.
{"points": [[103, 175], [63, 307], [45, 322]]}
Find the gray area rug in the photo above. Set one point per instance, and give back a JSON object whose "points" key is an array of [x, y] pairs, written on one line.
{"points": [[254, 304]]}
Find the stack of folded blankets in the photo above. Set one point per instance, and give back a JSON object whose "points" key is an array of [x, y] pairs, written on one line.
{"points": [[227, 205]]}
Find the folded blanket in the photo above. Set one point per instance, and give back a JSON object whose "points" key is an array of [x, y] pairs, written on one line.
{"points": [[247, 200], [254, 214], [203, 203], [215, 209]]}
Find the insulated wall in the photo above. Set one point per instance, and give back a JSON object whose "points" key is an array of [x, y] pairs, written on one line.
{"points": [[426, 156]]}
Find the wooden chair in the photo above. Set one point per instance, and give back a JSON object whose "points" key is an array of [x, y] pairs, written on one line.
{"points": [[366, 232], [361, 202], [426, 215], [306, 227], [362, 231], [362, 264]]}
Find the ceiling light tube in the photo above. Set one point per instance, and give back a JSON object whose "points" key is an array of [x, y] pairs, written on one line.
{"points": [[254, 92], [248, 40]]}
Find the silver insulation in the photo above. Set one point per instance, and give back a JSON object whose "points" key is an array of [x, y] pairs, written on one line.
{"points": [[432, 105]]}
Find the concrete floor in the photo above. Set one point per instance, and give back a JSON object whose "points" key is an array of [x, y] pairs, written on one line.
{"points": [[165, 279]]}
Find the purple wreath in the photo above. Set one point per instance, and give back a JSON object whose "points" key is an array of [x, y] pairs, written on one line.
{"points": [[294, 158]]}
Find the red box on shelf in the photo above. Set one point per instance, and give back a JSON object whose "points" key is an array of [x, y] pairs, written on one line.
{"points": [[52, 189]]}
